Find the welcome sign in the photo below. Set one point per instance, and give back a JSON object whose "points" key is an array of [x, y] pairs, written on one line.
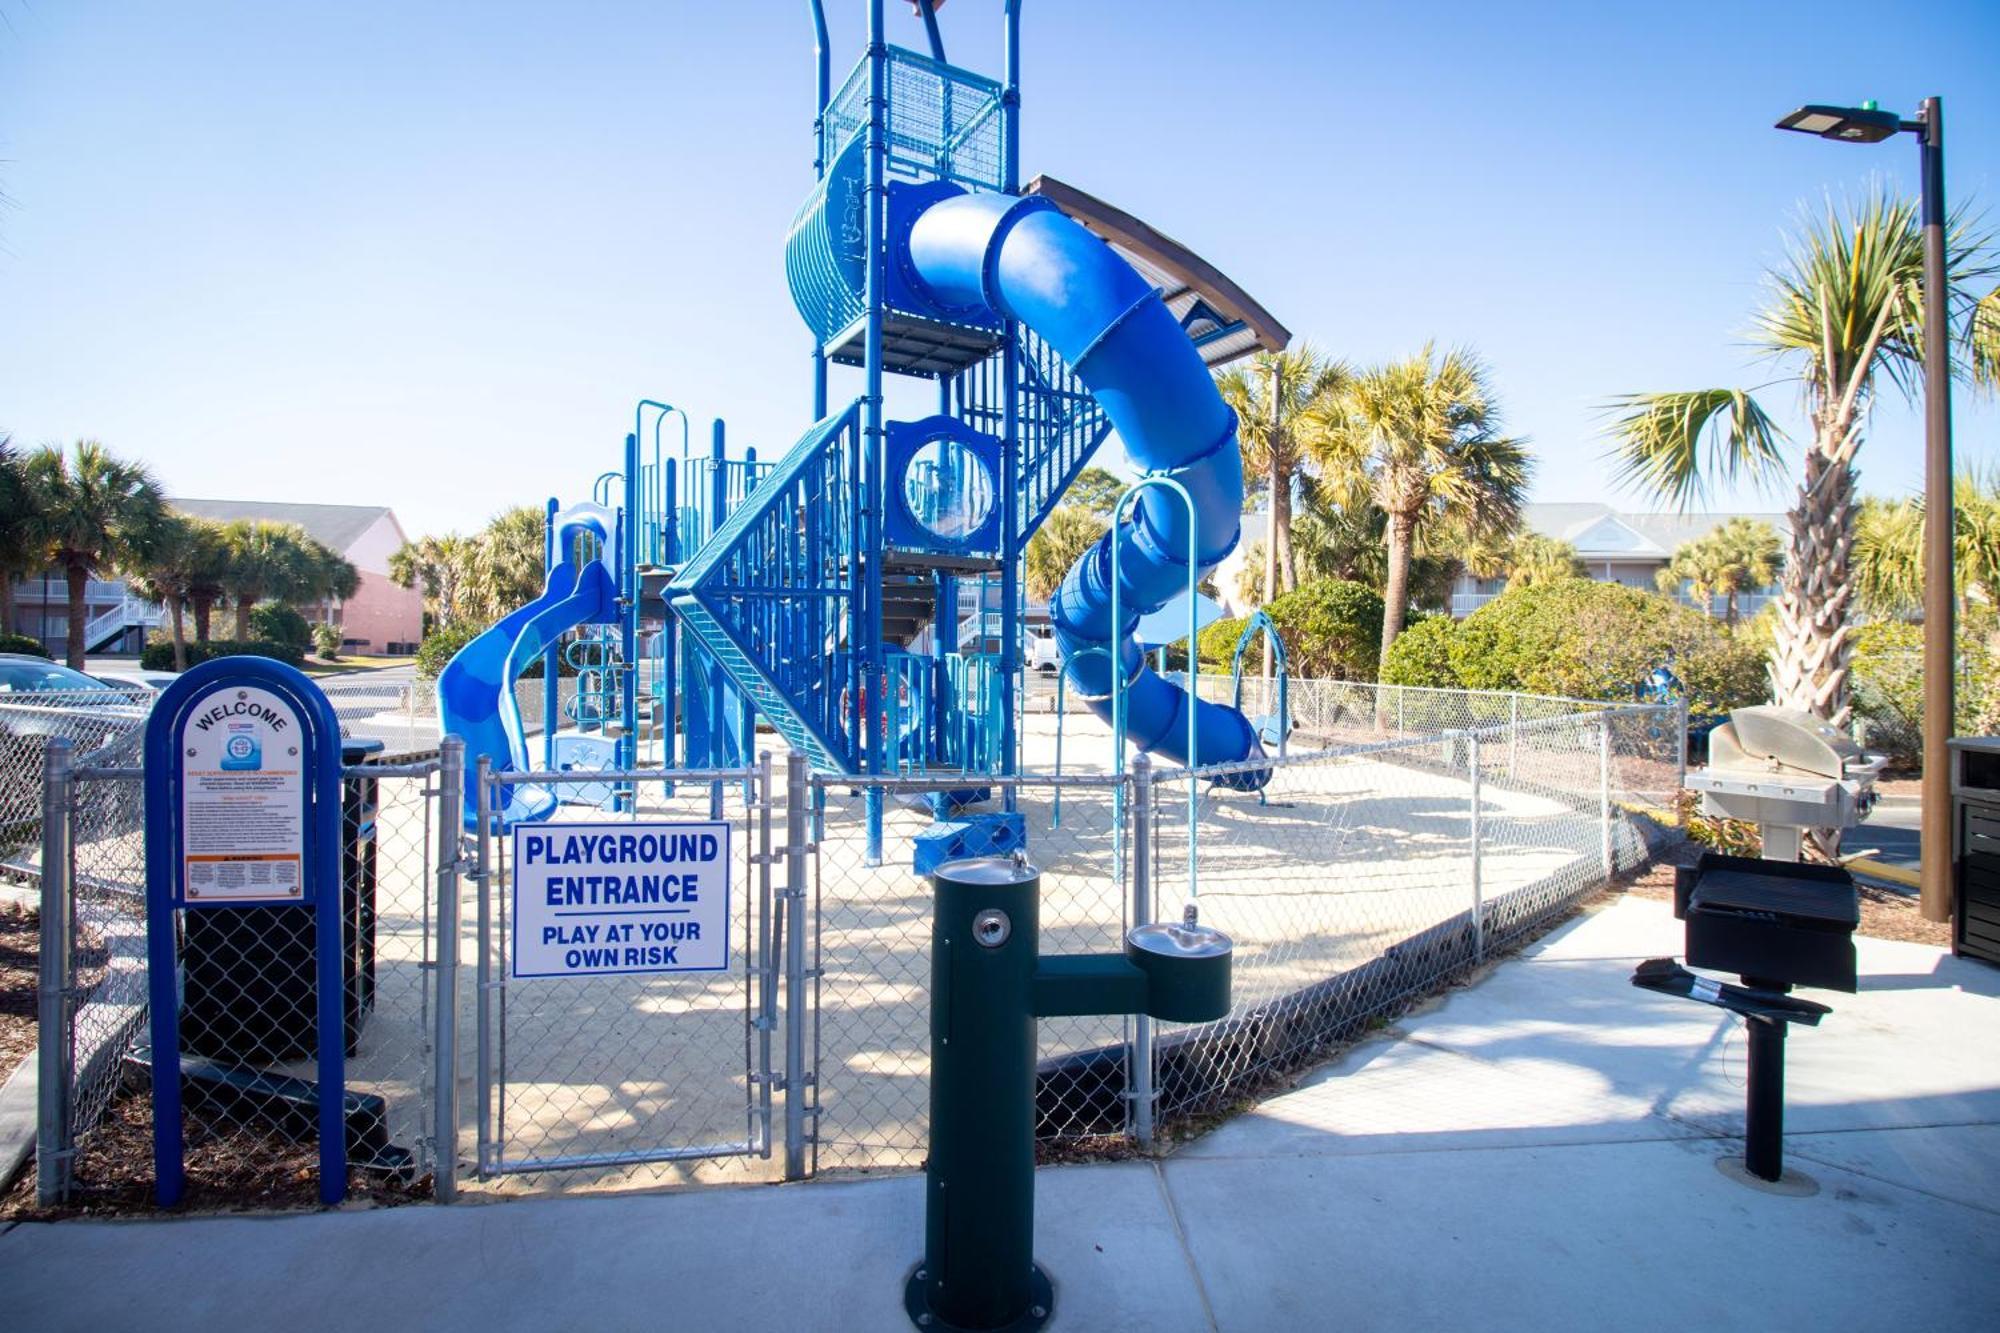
{"points": [[604, 899]]}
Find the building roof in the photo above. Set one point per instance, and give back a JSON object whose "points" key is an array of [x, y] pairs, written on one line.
{"points": [[1220, 316], [335, 526], [1599, 532]]}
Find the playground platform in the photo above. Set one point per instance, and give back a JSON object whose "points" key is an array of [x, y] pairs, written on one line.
{"points": [[1537, 1150]]}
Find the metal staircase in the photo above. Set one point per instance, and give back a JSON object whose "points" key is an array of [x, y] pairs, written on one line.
{"points": [[771, 593]]}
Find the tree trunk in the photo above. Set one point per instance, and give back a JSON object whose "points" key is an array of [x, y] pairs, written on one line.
{"points": [[203, 607], [244, 605], [6, 602], [180, 634], [78, 577], [1809, 658], [1729, 609], [1281, 532], [1395, 600], [1809, 661], [1396, 588]]}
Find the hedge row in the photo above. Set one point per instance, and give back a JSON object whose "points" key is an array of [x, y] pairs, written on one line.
{"points": [[159, 655]]}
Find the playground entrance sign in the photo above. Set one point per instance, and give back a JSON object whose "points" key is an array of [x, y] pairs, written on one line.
{"points": [[605, 899], [243, 800]]}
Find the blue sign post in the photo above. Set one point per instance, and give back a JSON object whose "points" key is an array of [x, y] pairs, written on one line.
{"points": [[243, 810]]}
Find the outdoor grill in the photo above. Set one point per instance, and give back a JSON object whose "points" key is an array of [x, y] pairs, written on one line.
{"points": [[1785, 771], [1776, 924]]}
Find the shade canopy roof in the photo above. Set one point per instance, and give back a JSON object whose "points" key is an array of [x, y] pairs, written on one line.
{"points": [[1220, 316]]}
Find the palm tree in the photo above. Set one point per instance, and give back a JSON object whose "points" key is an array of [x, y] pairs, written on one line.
{"points": [[165, 572], [266, 561], [1845, 306], [327, 577], [1532, 559], [1420, 437], [1059, 543], [442, 568], [1741, 556], [509, 561], [208, 572], [1276, 400], [19, 553], [1889, 547], [93, 510]]}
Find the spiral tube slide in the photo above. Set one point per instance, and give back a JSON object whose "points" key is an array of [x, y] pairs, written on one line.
{"points": [[1024, 259]]}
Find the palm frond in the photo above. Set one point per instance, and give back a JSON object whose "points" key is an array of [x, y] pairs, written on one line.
{"points": [[1674, 444]]}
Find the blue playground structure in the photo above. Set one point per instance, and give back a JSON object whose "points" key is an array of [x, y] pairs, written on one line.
{"points": [[861, 595]]}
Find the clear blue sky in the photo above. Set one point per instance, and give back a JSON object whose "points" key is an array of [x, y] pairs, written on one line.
{"points": [[428, 254]]}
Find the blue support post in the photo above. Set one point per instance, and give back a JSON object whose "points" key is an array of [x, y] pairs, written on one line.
{"points": [[869, 543], [670, 633], [628, 594], [822, 78], [1010, 443], [552, 655]]}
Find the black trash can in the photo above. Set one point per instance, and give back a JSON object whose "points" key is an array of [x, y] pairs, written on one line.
{"points": [[249, 993]]}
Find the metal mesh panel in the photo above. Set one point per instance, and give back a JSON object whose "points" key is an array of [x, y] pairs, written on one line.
{"points": [[942, 121], [874, 963], [629, 1079], [249, 1007], [1368, 874]]}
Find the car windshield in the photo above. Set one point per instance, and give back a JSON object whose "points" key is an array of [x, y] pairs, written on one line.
{"points": [[45, 678]]}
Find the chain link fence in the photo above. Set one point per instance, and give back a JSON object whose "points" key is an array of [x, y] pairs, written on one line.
{"points": [[872, 953], [248, 1002], [1404, 836], [629, 1078]]}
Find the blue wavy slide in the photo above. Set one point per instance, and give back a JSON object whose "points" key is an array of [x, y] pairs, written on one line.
{"points": [[1024, 259], [475, 691]]}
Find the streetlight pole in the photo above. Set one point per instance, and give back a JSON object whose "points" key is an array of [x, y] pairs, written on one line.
{"points": [[1940, 597], [1868, 123]]}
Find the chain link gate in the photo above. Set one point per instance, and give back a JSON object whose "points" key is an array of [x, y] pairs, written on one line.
{"points": [[622, 1072]]}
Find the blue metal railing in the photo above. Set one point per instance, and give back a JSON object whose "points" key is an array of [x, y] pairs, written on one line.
{"points": [[771, 594]]}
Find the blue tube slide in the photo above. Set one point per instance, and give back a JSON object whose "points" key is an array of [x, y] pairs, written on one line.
{"points": [[1024, 259], [475, 691]]}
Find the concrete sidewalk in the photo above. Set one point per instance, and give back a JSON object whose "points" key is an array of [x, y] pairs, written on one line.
{"points": [[1535, 1152]]}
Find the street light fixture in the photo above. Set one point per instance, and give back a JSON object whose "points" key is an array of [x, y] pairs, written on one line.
{"points": [[1868, 123]]}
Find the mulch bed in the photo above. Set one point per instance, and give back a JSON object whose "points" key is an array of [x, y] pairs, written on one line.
{"points": [[20, 946], [243, 1170]]}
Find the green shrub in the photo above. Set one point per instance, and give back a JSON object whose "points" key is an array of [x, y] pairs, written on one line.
{"points": [[441, 645], [1332, 629], [21, 643], [1421, 655], [1599, 641], [274, 622], [1218, 641], [158, 654], [1886, 663], [326, 641]]}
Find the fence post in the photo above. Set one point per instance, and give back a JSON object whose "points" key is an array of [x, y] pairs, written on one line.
{"points": [[1142, 915], [767, 964], [483, 876], [444, 1041], [1680, 741], [796, 1078], [52, 1127], [1604, 789], [1513, 735], [1478, 892]]}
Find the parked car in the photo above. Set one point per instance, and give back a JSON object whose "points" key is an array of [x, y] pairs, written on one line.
{"points": [[1041, 651], [40, 699], [135, 683]]}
